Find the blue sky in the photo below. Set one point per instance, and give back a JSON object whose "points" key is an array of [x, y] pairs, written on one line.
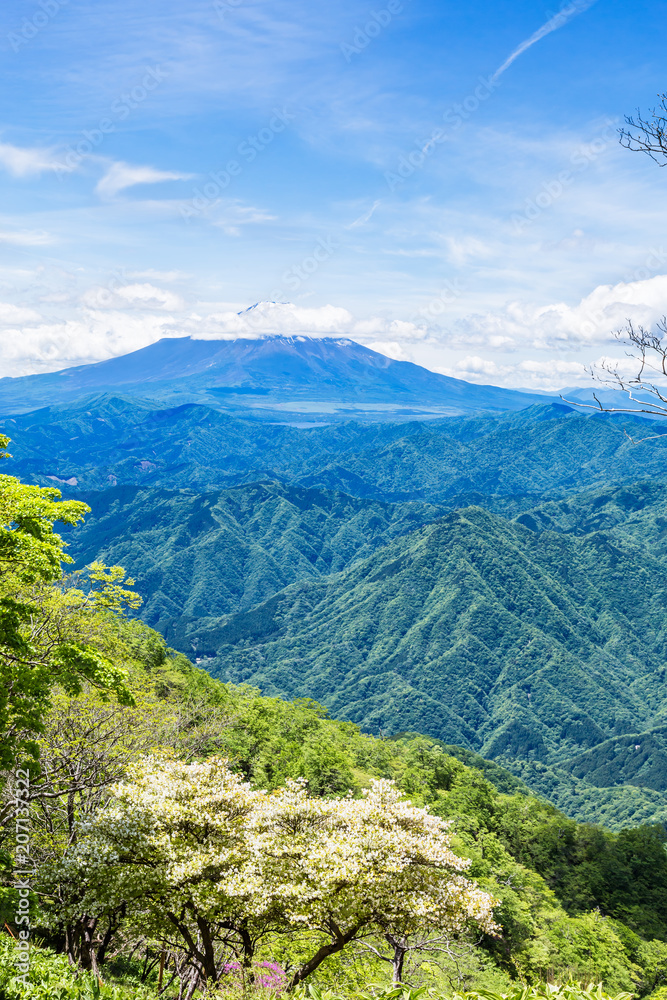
{"points": [[164, 166]]}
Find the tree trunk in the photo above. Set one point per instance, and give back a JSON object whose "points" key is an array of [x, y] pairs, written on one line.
{"points": [[248, 952], [400, 948], [114, 923], [208, 965], [339, 942], [81, 945]]}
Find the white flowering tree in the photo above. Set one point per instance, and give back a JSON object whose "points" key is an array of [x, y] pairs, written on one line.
{"points": [[347, 867], [172, 848], [212, 864]]}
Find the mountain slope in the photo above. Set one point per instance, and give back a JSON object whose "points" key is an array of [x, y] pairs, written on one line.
{"points": [[318, 562], [473, 630], [196, 557], [270, 372], [513, 461]]}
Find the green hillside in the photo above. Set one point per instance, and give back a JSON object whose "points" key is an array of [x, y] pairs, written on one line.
{"points": [[487, 634], [480, 632], [510, 462], [471, 659], [323, 562], [199, 556], [573, 900]]}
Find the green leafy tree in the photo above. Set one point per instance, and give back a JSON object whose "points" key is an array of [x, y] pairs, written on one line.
{"points": [[49, 633]]}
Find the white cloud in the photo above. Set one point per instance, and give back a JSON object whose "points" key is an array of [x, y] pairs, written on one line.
{"points": [[137, 296], [121, 175], [25, 238], [466, 248], [549, 374], [22, 162], [285, 318], [390, 348], [231, 215], [519, 344], [559, 326], [94, 336], [149, 297], [555, 22], [10, 314], [364, 218]]}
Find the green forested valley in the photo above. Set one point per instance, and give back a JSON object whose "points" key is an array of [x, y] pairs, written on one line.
{"points": [[467, 612], [528, 628]]}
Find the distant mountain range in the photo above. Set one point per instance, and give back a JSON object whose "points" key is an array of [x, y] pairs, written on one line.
{"points": [[448, 576], [537, 641], [508, 463], [272, 375]]}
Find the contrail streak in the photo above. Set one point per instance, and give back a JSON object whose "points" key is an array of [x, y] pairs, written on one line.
{"points": [[365, 217], [557, 21]]}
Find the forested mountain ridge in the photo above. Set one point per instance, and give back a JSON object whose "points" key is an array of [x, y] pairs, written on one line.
{"points": [[473, 630], [511, 462], [200, 556], [245, 536], [535, 620]]}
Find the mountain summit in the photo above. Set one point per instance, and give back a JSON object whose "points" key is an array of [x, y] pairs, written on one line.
{"points": [[295, 374]]}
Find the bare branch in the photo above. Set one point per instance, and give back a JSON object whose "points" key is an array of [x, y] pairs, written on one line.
{"points": [[648, 135], [644, 394]]}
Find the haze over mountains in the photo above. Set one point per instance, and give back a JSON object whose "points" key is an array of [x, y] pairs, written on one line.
{"points": [[495, 579], [298, 375]]}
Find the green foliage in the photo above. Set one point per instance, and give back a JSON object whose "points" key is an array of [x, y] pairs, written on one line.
{"points": [[48, 633], [538, 644], [543, 991], [233, 548], [52, 978], [476, 631], [575, 900], [534, 858], [511, 462]]}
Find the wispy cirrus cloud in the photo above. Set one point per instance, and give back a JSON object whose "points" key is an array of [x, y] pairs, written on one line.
{"points": [[121, 175], [363, 219], [230, 215], [26, 238], [29, 162]]}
